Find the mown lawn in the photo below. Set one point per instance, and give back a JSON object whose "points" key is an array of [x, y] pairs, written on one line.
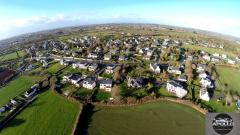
{"points": [[53, 68], [12, 55], [50, 114], [230, 76], [210, 50], [162, 118], [15, 87]]}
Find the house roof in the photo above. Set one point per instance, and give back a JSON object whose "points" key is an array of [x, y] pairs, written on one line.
{"points": [[174, 83], [89, 80], [105, 81], [75, 77]]}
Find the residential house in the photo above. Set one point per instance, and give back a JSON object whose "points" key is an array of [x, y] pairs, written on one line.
{"points": [[150, 52], [135, 82], [230, 61], [206, 57], [224, 56], [203, 75], [89, 83], [122, 58], [64, 62], [201, 67], [175, 70], [31, 92], [146, 57], [75, 78], [107, 57], [215, 59], [176, 88], [66, 77], [206, 82], [44, 64], [204, 95], [182, 78], [93, 67], [106, 84], [75, 65], [110, 69], [155, 67], [216, 55], [83, 65], [93, 55]]}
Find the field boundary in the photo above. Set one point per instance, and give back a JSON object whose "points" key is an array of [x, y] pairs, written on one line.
{"points": [[179, 101]]}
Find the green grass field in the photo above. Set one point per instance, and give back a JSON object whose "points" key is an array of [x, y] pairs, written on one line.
{"points": [[162, 118], [54, 67], [210, 50], [15, 87], [230, 76], [50, 114], [11, 55]]}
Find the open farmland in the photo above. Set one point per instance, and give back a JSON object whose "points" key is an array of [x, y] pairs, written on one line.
{"points": [[230, 76], [152, 119], [12, 55], [50, 114], [210, 50], [15, 87]]}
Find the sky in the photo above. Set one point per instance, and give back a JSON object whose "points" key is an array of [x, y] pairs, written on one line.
{"points": [[24, 16]]}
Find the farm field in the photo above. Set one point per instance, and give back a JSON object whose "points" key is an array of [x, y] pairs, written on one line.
{"points": [[152, 119], [12, 55], [230, 76], [15, 87], [50, 114], [210, 50]]}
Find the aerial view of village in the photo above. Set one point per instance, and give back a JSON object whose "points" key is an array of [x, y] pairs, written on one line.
{"points": [[117, 79]]}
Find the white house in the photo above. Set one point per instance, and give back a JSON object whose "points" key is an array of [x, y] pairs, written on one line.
{"points": [[93, 67], [206, 82], [89, 83], [182, 78], [75, 65], [106, 84], [176, 88], [83, 65], [174, 70], [224, 56], [204, 95], [75, 78], [66, 77], [203, 75], [206, 57], [155, 67], [201, 67], [107, 57], [231, 61], [110, 69], [93, 55], [216, 55]]}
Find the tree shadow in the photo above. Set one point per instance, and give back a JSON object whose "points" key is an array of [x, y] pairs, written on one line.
{"points": [[15, 122], [85, 119], [36, 104]]}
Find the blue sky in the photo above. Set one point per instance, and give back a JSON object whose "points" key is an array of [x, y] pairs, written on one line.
{"points": [[23, 16]]}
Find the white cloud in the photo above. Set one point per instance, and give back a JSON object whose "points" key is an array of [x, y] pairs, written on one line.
{"points": [[19, 26]]}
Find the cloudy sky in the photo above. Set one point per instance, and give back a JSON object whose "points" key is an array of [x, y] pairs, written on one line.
{"points": [[23, 16]]}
